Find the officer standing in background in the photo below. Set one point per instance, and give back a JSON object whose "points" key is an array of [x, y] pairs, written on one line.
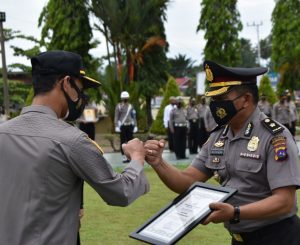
{"points": [[249, 152], [193, 129], [167, 111], [281, 112], [178, 126], [265, 106], [210, 122], [125, 121], [203, 134], [293, 113], [44, 160]]}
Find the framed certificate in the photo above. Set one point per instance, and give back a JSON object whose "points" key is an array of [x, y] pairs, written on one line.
{"points": [[182, 215], [89, 115]]}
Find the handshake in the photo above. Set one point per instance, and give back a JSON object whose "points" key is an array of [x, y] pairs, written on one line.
{"points": [[149, 151]]}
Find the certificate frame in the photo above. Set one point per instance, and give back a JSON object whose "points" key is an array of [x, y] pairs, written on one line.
{"points": [[155, 231]]}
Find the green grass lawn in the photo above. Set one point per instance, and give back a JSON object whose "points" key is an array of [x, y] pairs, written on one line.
{"points": [[103, 224]]}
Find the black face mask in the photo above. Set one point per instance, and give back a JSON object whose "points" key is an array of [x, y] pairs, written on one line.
{"points": [[223, 111], [75, 108]]}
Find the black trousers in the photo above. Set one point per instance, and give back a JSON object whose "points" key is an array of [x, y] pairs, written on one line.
{"points": [[193, 137], [88, 128], [126, 135], [202, 134], [180, 141], [285, 232], [170, 139]]}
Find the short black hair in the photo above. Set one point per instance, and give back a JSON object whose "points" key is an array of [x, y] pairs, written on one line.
{"points": [[251, 88], [43, 83]]}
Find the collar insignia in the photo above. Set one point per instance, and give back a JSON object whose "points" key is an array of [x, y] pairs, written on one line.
{"points": [[249, 129]]}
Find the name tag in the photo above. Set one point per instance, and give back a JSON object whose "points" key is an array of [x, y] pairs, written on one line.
{"points": [[217, 152]]}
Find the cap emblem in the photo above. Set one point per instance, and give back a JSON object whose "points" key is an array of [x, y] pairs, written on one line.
{"points": [[221, 113], [209, 74]]}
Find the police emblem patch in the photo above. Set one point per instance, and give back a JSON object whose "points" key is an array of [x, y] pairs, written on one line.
{"points": [[219, 143], [221, 113], [253, 144], [279, 145]]}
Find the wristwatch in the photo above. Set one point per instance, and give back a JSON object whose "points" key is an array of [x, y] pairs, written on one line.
{"points": [[236, 215]]}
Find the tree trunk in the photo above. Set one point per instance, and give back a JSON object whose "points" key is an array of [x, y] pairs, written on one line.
{"points": [[148, 112]]}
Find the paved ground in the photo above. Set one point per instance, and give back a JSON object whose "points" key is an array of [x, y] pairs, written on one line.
{"points": [[115, 158]]}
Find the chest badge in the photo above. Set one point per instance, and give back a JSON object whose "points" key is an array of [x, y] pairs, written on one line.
{"points": [[219, 143], [253, 144]]}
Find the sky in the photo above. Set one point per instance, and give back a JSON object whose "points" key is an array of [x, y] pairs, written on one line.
{"points": [[182, 20]]}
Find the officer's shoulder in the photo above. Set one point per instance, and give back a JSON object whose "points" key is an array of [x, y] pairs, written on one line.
{"points": [[272, 126]]}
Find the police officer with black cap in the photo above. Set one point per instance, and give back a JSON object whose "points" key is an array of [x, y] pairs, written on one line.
{"points": [[193, 131], [247, 151], [44, 160]]}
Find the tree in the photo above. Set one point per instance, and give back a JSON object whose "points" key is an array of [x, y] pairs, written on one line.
{"points": [[248, 54], [266, 89], [266, 47], [136, 32], [66, 27], [286, 42], [221, 22], [181, 66], [172, 89]]}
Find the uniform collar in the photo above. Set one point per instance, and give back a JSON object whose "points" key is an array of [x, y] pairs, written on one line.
{"points": [[247, 130], [40, 109]]}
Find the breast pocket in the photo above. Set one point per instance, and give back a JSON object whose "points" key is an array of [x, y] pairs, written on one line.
{"points": [[249, 165], [215, 163]]}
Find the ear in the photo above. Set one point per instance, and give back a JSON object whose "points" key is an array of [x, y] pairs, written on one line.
{"points": [[248, 99], [65, 83]]}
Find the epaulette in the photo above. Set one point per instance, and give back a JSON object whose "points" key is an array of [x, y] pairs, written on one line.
{"points": [[272, 126]]}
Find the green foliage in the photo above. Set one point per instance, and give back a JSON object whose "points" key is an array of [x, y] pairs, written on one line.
{"points": [[286, 42], [172, 89], [221, 22], [181, 66], [66, 27], [266, 47], [18, 92], [266, 89], [248, 54]]}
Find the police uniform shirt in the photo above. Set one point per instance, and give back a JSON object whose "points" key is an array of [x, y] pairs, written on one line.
{"points": [[178, 118], [265, 107], [281, 113], [254, 162], [43, 162], [192, 113], [293, 111], [121, 112]]}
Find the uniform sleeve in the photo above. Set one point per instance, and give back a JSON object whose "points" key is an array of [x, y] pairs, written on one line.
{"points": [[283, 162], [118, 189], [200, 160], [166, 116]]}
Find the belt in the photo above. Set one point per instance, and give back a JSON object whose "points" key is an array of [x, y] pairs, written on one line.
{"points": [[127, 124], [193, 120], [180, 124]]}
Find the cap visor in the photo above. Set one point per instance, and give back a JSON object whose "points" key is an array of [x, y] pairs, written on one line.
{"points": [[90, 82]]}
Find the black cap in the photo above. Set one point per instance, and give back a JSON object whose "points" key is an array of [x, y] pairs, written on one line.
{"points": [[222, 78], [61, 63]]}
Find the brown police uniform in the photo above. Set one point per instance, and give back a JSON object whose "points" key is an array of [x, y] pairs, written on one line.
{"points": [[263, 156]]}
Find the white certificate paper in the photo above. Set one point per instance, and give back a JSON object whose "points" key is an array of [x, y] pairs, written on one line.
{"points": [[179, 216]]}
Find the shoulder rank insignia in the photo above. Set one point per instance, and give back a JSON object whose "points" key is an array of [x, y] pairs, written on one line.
{"points": [[253, 144], [279, 145], [272, 126]]}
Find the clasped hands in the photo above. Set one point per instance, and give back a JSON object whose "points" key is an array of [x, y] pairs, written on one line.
{"points": [[150, 151]]}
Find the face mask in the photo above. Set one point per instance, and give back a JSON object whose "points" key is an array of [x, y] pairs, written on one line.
{"points": [[223, 111], [75, 108]]}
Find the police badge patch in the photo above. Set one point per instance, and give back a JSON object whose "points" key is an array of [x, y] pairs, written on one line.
{"points": [[279, 145]]}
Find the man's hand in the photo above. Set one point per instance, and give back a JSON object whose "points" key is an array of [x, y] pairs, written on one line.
{"points": [[135, 129], [154, 150], [134, 150], [81, 213], [221, 212]]}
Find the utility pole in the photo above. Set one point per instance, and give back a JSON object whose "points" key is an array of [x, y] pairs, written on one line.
{"points": [[4, 71], [257, 32]]}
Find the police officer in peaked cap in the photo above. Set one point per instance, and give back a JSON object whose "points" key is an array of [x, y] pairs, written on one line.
{"points": [[44, 160], [247, 151]]}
